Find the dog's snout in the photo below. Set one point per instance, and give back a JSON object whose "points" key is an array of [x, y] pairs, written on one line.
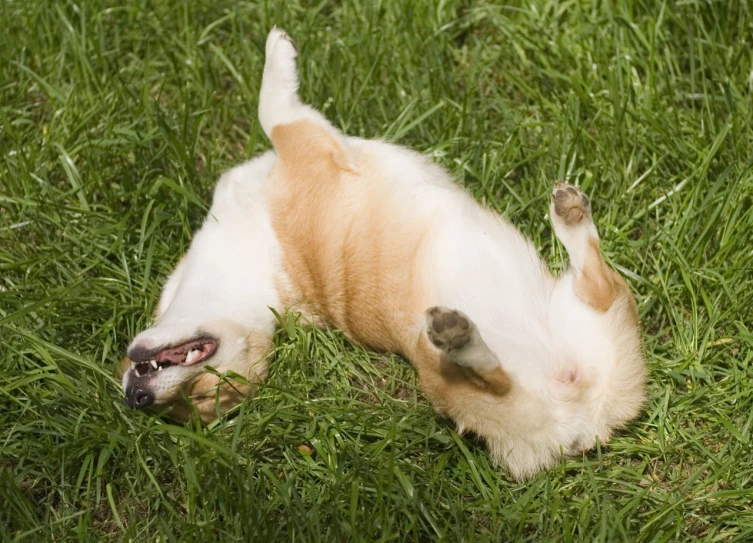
{"points": [[137, 397]]}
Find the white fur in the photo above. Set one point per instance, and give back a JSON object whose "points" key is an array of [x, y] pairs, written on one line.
{"points": [[227, 276], [538, 329]]}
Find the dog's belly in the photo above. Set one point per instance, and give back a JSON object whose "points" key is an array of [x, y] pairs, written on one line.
{"points": [[481, 265], [373, 250]]}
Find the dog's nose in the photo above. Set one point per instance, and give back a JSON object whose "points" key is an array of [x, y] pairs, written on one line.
{"points": [[138, 398]]}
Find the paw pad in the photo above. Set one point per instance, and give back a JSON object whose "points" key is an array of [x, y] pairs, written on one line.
{"points": [[447, 329], [570, 204]]}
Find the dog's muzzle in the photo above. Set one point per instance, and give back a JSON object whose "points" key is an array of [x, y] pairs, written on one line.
{"points": [[137, 397]]}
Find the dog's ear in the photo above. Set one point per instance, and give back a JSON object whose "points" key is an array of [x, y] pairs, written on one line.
{"points": [[210, 397]]}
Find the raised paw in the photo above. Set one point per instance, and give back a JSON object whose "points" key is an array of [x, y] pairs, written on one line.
{"points": [[448, 329], [287, 47], [570, 204], [573, 225]]}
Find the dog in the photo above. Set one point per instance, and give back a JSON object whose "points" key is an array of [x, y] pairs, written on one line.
{"points": [[377, 241]]}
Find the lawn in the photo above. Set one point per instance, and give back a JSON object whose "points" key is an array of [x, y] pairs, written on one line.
{"points": [[116, 119]]}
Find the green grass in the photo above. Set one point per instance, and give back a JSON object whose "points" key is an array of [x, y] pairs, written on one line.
{"points": [[116, 118]]}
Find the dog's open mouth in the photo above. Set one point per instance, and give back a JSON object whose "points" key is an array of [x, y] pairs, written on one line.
{"points": [[185, 354]]}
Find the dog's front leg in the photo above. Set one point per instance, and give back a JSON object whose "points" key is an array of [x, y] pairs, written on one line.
{"points": [[455, 334], [307, 145]]}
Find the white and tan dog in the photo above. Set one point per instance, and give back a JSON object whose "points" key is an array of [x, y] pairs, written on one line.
{"points": [[379, 242]]}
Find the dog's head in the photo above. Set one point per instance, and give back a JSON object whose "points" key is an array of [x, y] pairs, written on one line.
{"points": [[168, 367], [214, 309]]}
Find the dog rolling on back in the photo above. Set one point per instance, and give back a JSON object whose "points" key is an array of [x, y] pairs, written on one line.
{"points": [[383, 245]]}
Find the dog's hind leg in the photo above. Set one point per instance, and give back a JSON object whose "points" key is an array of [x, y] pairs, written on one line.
{"points": [[595, 282], [458, 337]]}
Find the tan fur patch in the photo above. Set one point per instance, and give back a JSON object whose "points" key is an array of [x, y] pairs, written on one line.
{"points": [[596, 284]]}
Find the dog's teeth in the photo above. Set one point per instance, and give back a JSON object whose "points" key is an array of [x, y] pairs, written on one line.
{"points": [[192, 355], [153, 363], [159, 368]]}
